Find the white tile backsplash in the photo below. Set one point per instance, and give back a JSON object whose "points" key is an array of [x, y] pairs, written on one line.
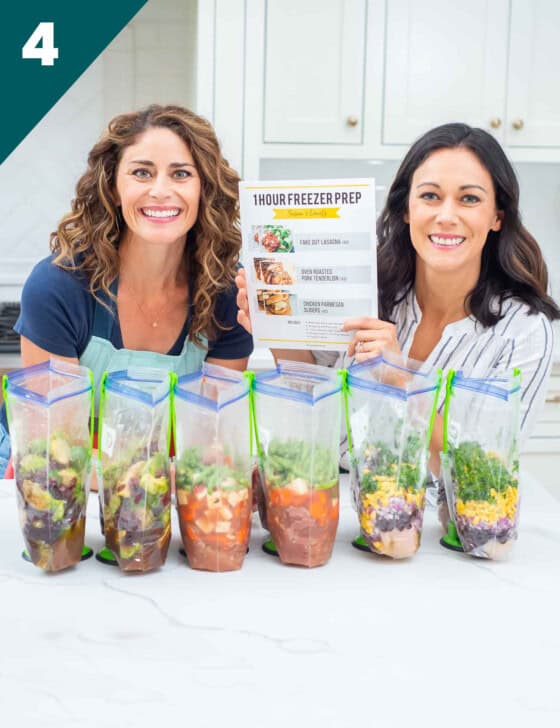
{"points": [[540, 208], [174, 10], [38, 179]]}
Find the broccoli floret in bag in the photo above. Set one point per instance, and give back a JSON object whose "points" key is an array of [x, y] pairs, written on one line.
{"points": [[486, 500], [192, 471], [288, 460], [479, 474], [79, 457], [188, 464]]}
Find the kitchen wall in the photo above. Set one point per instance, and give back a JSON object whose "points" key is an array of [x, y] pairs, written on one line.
{"points": [[151, 60], [38, 178]]}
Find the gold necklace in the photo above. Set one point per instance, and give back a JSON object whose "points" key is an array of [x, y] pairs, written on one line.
{"points": [[153, 321]]}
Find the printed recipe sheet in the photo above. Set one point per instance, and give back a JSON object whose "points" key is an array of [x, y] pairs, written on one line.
{"points": [[309, 251]]}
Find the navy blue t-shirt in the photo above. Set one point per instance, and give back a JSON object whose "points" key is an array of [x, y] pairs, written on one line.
{"points": [[57, 312]]}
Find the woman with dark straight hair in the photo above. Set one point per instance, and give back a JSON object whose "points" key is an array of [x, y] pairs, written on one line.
{"points": [[511, 263], [462, 284]]}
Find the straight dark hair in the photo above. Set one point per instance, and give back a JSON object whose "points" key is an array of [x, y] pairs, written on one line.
{"points": [[512, 263]]}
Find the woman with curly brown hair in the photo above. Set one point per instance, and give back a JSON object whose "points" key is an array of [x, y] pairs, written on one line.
{"points": [[142, 268]]}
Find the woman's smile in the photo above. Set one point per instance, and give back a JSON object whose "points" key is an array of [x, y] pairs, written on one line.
{"points": [[444, 241], [160, 214]]}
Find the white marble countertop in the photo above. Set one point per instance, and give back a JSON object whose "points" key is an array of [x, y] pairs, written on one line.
{"points": [[439, 640]]}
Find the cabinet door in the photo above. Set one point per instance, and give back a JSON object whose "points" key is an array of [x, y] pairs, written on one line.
{"points": [[314, 71], [444, 62], [533, 108]]}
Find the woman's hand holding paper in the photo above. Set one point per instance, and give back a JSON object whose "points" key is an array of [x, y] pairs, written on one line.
{"points": [[371, 338], [243, 316]]}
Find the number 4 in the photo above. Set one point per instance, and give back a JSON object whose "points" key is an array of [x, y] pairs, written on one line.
{"points": [[46, 52]]}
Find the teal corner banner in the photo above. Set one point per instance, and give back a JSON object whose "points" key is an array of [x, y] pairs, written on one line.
{"points": [[46, 45]]}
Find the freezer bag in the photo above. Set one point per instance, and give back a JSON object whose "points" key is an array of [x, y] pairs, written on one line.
{"points": [[391, 408], [297, 409], [134, 437], [480, 461], [50, 410], [212, 425]]}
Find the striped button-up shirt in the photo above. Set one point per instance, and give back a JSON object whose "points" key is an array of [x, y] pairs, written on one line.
{"points": [[519, 339]]}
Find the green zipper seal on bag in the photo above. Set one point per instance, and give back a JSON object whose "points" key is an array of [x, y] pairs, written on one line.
{"points": [[451, 539], [91, 411], [519, 376], [250, 377], [253, 425], [435, 405], [345, 389], [5, 397], [102, 391], [448, 394], [171, 429], [104, 556]]}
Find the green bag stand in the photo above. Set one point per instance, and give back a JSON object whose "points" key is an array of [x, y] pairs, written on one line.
{"points": [[361, 544], [451, 539], [106, 556], [269, 547]]}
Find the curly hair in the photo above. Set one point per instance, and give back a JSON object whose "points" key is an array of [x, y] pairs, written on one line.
{"points": [[512, 263], [87, 238]]}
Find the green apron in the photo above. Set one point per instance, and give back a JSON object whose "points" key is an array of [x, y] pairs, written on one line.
{"points": [[100, 355]]}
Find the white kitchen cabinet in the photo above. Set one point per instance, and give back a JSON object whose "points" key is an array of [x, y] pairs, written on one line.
{"points": [[362, 79], [490, 63], [533, 101], [308, 73], [314, 71], [443, 62], [220, 73]]}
